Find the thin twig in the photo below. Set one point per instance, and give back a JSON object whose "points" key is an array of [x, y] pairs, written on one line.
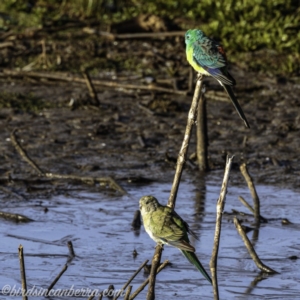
{"points": [[8, 191], [250, 249], [90, 86], [256, 202], [23, 273], [130, 279], [71, 78], [246, 204], [142, 286], [139, 35], [23, 153], [262, 219], [127, 295], [106, 180], [220, 209], [201, 128], [143, 34], [152, 277], [64, 269], [185, 144]]}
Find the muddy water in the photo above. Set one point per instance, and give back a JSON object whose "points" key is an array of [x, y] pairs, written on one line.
{"points": [[100, 228]]}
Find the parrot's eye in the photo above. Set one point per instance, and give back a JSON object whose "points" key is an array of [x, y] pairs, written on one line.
{"points": [[187, 37]]}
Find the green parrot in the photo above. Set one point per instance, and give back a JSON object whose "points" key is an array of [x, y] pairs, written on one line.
{"points": [[208, 57], [165, 226]]}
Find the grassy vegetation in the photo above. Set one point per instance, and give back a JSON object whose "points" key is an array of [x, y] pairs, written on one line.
{"points": [[241, 25]]}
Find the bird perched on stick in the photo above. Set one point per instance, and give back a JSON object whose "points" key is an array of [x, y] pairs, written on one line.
{"points": [[165, 226], [208, 58]]}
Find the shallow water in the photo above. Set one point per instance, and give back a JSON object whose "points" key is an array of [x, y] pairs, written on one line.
{"points": [[100, 228]]}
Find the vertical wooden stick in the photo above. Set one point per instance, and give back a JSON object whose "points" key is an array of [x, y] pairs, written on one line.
{"points": [[202, 141], [23, 273], [91, 88], [220, 209], [185, 144], [152, 277], [179, 168], [71, 249]]}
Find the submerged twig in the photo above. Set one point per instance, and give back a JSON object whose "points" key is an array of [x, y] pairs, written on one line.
{"points": [[250, 248], [256, 202], [64, 269], [71, 249], [130, 279], [71, 252], [262, 219], [142, 286], [106, 180], [220, 209], [15, 217], [246, 204], [23, 273]]}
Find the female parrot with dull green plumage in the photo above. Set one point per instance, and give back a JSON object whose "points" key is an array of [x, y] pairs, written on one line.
{"points": [[208, 58], [165, 226]]}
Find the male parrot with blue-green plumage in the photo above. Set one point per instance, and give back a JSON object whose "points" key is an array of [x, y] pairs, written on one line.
{"points": [[208, 58]]}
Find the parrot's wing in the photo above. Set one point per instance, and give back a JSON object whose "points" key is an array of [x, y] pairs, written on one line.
{"points": [[170, 229], [211, 57]]}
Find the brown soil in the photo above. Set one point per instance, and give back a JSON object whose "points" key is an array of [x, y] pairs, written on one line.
{"points": [[135, 135]]}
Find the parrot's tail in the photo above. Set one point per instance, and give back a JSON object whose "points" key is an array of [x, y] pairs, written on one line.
{"points": [[235, 103], [191, 256]]}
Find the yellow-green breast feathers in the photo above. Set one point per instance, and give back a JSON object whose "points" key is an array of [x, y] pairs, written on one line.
{"points": [[192, 62]]}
